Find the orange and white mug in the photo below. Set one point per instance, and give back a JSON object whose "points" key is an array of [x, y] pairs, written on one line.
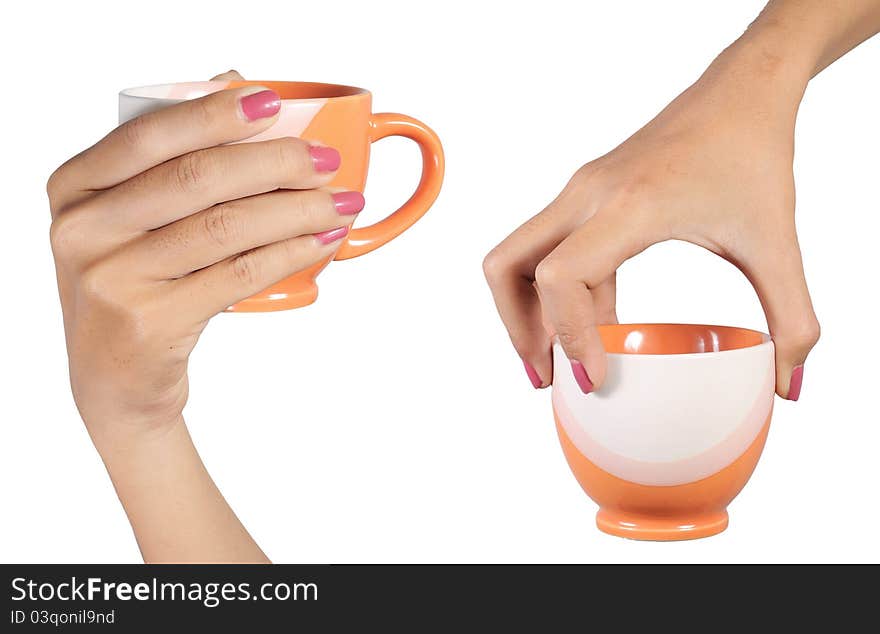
{"points": [[340, 117]]}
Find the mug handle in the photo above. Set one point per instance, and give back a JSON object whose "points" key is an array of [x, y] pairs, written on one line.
{"points": [[365, 239]]}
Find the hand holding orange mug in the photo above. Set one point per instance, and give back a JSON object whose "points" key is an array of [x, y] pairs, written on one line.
{"points": [[169, 220], [338, 117]]}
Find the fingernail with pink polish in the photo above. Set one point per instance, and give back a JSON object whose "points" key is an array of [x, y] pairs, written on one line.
{"points": [[794, 385], [326, 159], [537, 383], [581, 376], [348, 203], [327, 237], [260, 105]]}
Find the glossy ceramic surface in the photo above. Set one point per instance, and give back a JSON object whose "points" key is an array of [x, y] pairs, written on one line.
{"points": [[333, 115], [676, 430]]}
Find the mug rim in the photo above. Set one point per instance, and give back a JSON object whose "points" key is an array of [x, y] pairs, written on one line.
{"points": [[764, 340], [346, 91]]}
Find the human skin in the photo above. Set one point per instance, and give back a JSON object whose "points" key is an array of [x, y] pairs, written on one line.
{"points": [[714, 168], [156, 228]]}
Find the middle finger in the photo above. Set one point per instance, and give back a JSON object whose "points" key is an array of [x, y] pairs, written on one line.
{"points": [[184, 185]]}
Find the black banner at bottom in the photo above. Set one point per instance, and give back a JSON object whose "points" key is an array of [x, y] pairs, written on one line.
{"points": [[131, 598]]}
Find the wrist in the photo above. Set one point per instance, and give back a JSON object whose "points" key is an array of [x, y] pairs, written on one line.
{"points": [[767, 65], [121, 443], [756, 81]]}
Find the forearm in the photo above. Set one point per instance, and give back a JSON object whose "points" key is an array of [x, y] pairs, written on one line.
{"points": [[767, 69], [818, 31], [805, 36], [175, 509]]}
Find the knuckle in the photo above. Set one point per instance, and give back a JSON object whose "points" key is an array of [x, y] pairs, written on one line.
{"points": [[310, 206], [495, 265], [799, 338], [585, 180], [66, 233], [807, 335], [202, 112], [191, 170], [581, 177], [136, 132], [222, 223], [53, 185], [568, 334], [246, 269], [59, 236], [296, 252], [291, 156], [551, 273]]}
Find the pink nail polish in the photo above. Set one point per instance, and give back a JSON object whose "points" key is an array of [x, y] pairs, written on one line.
{"points": [[794, 385], [537, 383], [327, 237], [348, 203], [260, 105], [581, 376], [326, 159]]}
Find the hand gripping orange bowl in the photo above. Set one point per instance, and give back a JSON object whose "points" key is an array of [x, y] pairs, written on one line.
{"points": [[676, 430]]}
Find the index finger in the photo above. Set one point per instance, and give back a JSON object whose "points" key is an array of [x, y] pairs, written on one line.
{"points": [[569, 280], [510, 271], [155, 137]]}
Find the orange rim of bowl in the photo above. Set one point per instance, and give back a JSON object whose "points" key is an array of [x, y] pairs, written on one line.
{"points": [[677, 339]]}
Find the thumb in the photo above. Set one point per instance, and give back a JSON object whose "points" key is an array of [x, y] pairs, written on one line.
{"points": [[782, 289], [230, 75]]}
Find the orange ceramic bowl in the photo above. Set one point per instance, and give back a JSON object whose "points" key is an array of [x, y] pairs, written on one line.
{"points": [[676, 430]]}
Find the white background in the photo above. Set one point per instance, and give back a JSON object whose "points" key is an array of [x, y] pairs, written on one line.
{"points": [[392, 421]]}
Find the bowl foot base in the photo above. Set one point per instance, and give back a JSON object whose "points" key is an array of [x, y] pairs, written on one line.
{"points": [[660, 529]]}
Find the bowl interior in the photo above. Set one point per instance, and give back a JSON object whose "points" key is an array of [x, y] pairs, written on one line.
{"points": [[676, 338]]}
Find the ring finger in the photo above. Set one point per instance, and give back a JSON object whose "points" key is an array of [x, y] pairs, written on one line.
{"points": [[235, 226]]}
